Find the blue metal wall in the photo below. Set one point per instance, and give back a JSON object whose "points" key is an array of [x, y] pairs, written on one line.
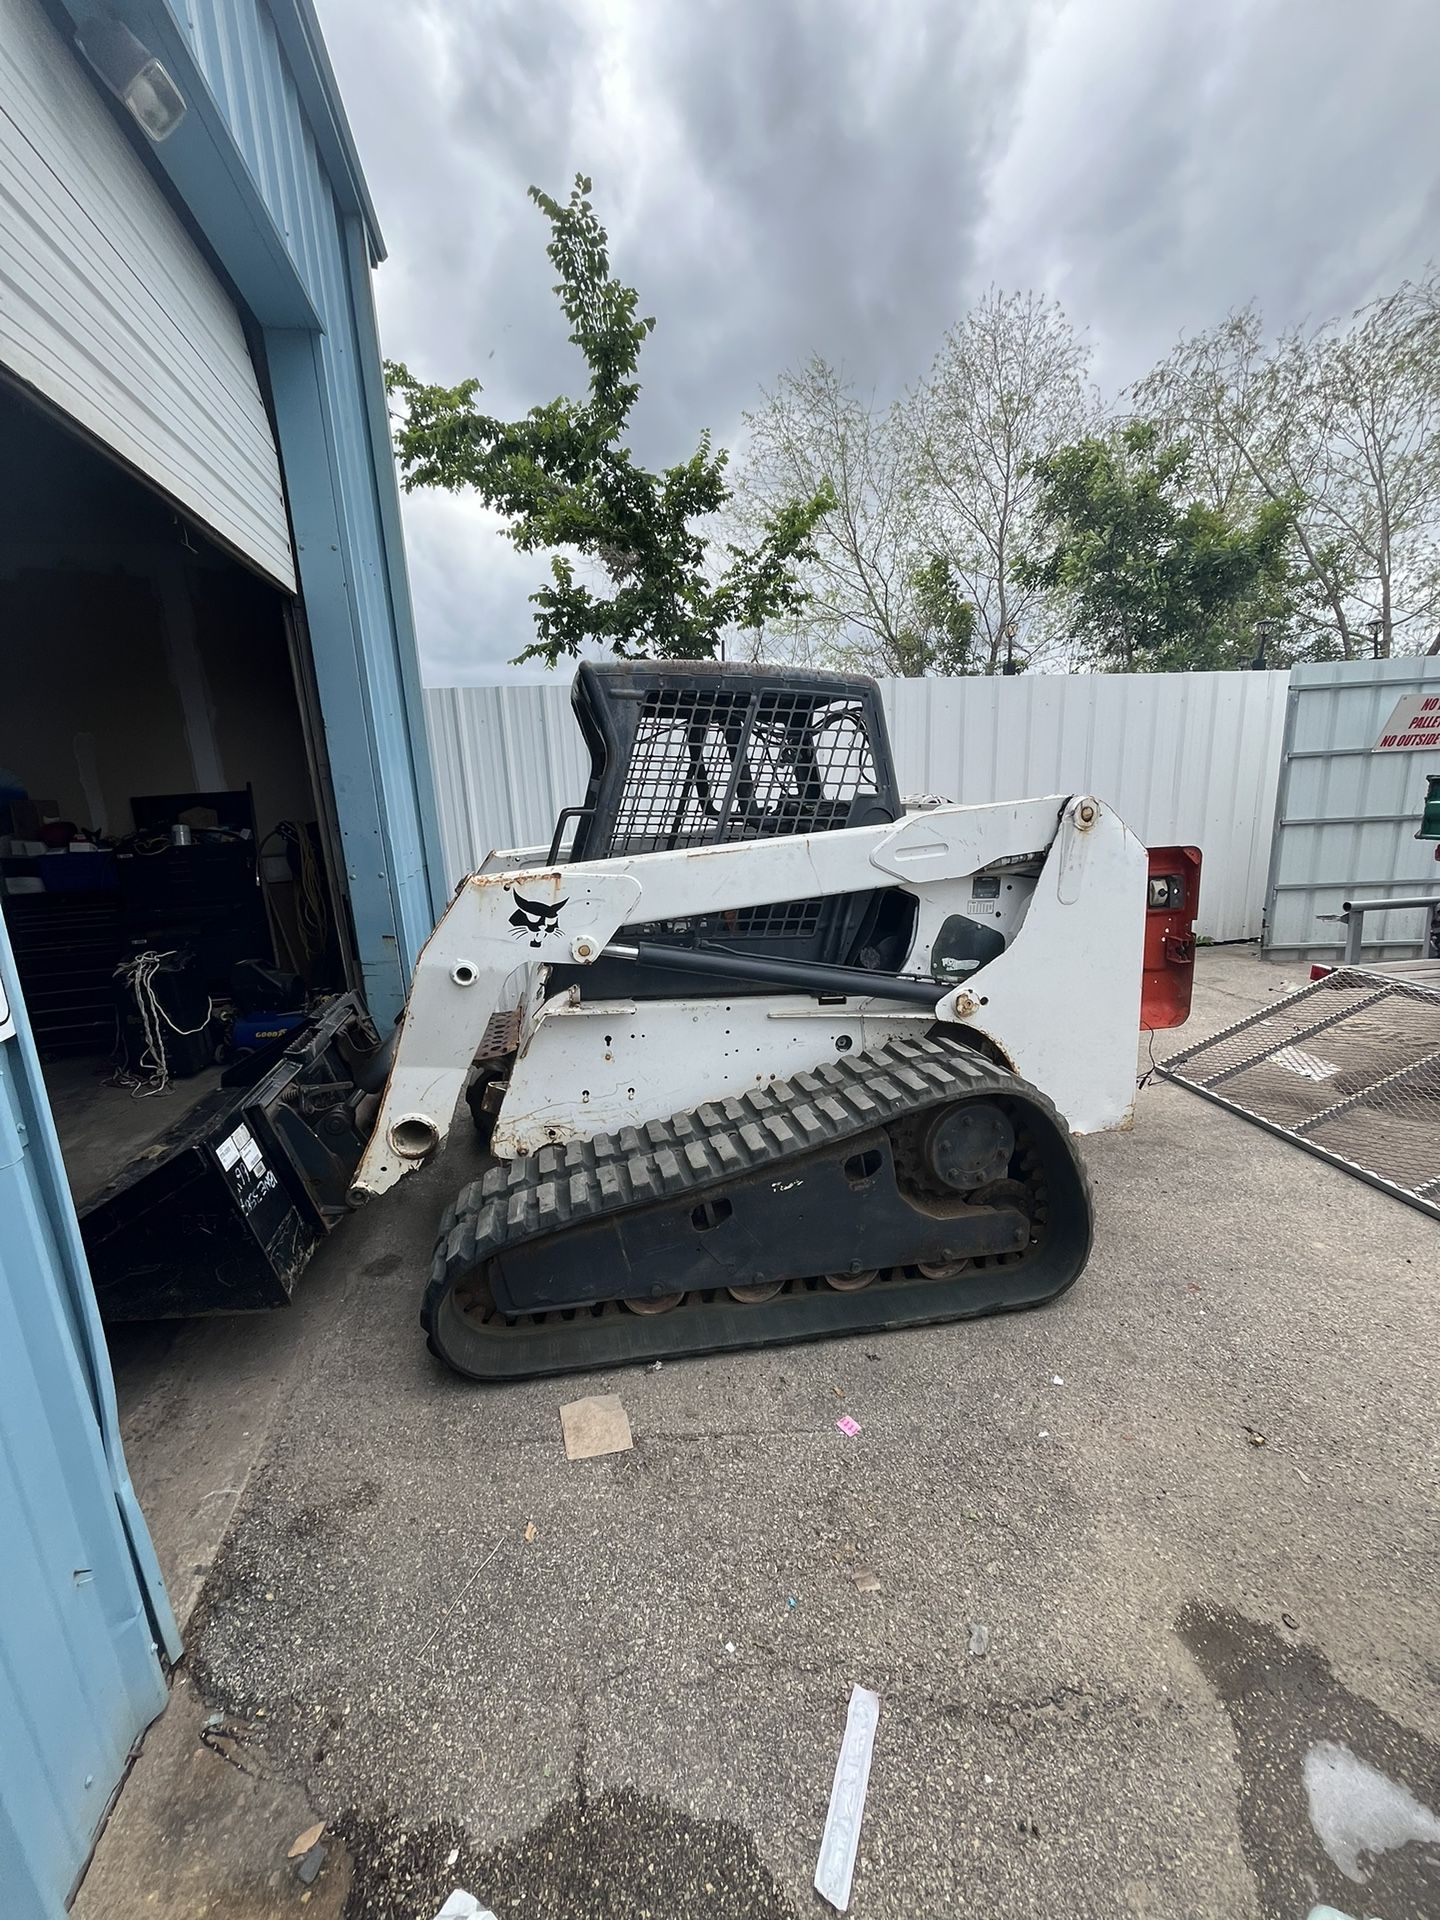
{"points": [[340, 478], [81, 1604]]}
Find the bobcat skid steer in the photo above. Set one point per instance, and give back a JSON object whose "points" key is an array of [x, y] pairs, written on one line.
{"points": [[765, 1056]]}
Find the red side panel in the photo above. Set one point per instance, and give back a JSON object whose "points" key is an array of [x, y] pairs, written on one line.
{"points": [[1174, 895]]}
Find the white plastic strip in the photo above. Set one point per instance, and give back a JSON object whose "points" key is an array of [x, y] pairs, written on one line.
{"points": [[840, 1842]]}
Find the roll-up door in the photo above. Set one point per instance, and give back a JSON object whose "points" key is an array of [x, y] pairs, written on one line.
{"points": [[110, 312]]}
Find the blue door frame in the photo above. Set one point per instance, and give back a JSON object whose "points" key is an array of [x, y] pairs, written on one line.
{"points": [[83, 1612]]}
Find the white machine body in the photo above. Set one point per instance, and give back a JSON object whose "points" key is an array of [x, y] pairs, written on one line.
{"points": [[1060, 1004]]}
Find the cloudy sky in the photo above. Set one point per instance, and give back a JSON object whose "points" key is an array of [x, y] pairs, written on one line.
{"points": [[781, 177]]}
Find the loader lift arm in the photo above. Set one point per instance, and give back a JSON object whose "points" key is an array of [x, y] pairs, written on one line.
{"points": [[1060, 1004]]}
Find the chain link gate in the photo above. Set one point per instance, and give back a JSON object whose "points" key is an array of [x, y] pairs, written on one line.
{"points": [[1347, 1068]]}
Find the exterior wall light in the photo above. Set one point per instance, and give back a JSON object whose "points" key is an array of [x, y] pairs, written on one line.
{"points": [[133, 75]]}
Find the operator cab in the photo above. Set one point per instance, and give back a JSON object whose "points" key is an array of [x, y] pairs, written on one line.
{"points": [[705, 754]]}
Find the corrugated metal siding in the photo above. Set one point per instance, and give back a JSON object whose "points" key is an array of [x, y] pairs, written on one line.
{"points": [[507, 759], [1346, 817], [79, 1676], [108, 308], [1186, 758], [237, 48]]}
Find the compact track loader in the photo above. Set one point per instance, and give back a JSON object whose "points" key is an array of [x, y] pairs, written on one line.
{"points": [[766, 1055]]}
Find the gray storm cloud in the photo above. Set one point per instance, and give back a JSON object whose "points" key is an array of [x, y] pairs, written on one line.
{"points": [[842, 176]]}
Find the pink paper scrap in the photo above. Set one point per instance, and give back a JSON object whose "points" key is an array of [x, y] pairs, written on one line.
{"points": [[847, 1425]]}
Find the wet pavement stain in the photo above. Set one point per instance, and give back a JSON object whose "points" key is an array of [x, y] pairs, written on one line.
{"points": [[383, 1266], [609, 1856], [1313, 1754]]}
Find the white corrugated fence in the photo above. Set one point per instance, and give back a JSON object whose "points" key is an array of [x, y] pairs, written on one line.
{"points": [[1188, 758]]}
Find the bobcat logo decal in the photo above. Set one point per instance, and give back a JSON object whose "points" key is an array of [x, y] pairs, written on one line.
{"points": [[535, 917]]}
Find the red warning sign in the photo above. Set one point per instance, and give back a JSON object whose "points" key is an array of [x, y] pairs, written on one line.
{"points": [[1413, 726]]}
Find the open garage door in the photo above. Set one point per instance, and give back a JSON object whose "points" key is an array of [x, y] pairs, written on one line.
{"points": [[109, 311]]}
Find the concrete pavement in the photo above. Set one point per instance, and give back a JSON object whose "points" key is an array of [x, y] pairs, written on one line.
{"points": [[637, 1711]]}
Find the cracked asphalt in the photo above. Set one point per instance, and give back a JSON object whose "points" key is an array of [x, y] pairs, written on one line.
{"points": [[1206, 1549]]}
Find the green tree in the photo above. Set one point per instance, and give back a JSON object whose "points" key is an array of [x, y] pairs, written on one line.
{"points": [[1149, 578], [568, 484], [1342, 421], [814, 434], [945, 472], [1008, 387], [941, 635]]}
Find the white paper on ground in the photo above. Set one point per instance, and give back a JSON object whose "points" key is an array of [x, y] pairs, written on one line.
{"points": [[595, 1426], [840, 1843], [463, 1906]]}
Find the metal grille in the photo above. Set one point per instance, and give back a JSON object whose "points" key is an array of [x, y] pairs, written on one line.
{"points": [[782, 920], [724, 764], [1348, 1068], [779, 920]]}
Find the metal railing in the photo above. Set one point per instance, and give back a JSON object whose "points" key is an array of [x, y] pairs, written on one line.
{"points": [[1355, 911]]}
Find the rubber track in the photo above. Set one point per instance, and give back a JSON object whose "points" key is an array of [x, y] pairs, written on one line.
{"points": [[560, 1186]]}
